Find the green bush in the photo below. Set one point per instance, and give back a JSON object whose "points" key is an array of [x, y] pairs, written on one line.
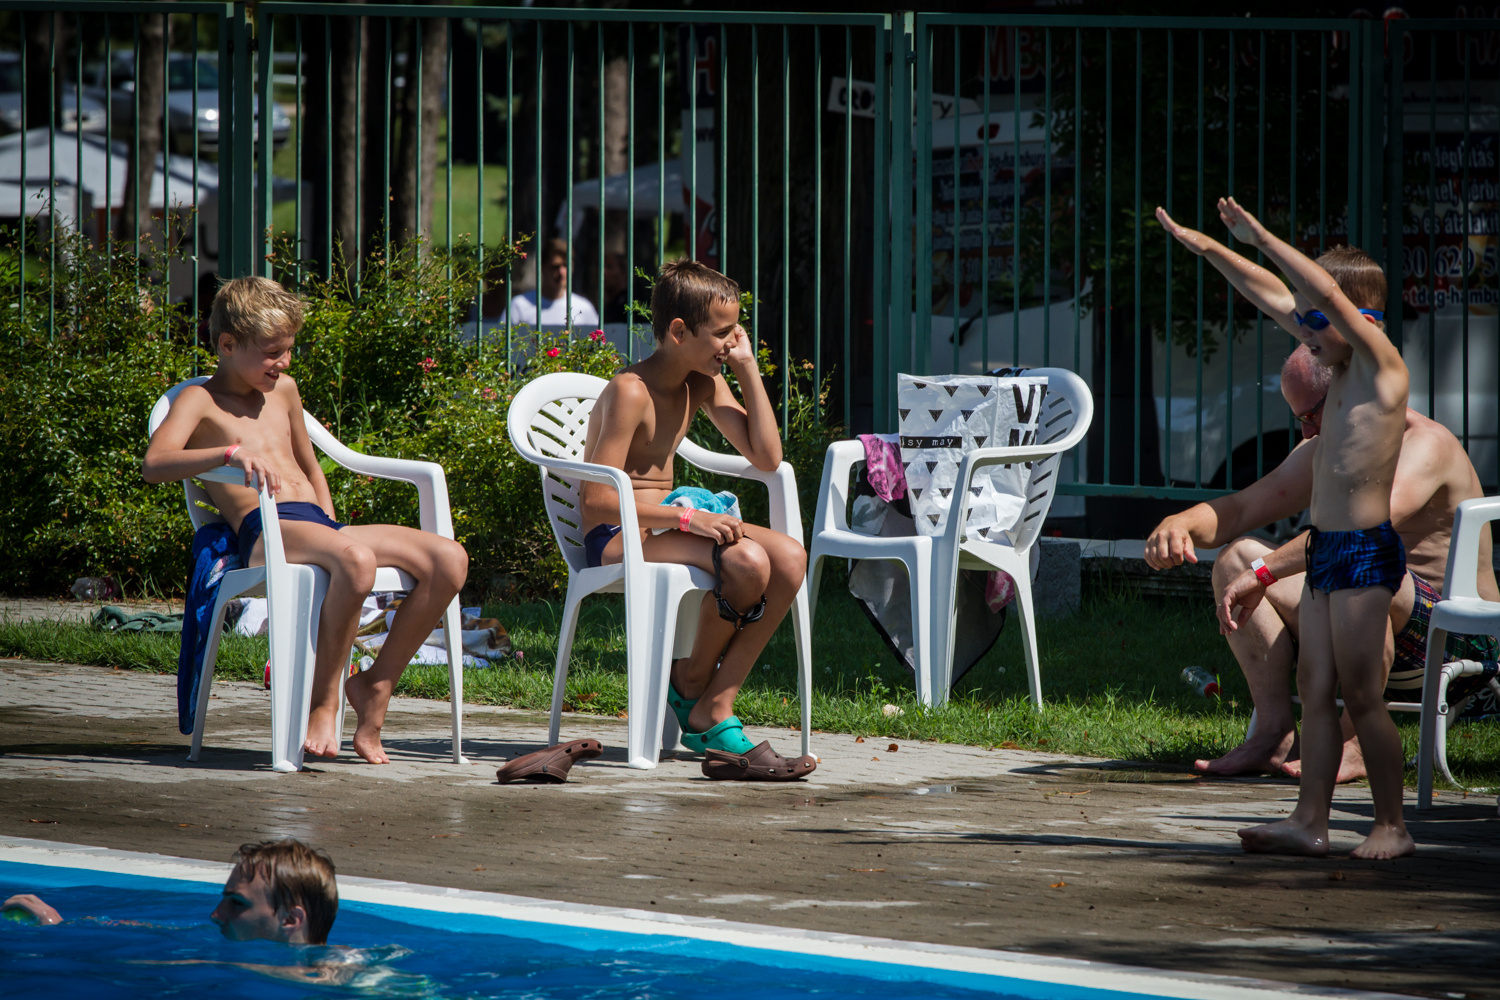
{"points": [[381, 364]]}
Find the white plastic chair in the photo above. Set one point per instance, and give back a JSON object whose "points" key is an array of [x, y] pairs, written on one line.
{"points": [[548, 422], [932, 563], [294, 592], [1461, 610]]}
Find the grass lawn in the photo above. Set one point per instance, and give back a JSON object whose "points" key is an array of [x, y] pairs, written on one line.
{"points": [[1109, 674]]}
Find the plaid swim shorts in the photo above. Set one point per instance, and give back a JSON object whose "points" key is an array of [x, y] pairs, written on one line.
{"points": [[1405, 682]]}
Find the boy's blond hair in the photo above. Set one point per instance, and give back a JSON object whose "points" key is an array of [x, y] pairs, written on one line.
{"points": [[252, 310], [297, 875], [1358, 275], [686, 290]]}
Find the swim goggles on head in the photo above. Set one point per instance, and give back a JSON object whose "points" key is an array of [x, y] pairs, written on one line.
{"points": [[726, 610], [1314, 320]]}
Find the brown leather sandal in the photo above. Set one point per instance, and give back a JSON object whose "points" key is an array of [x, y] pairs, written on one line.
{"points": [[550, 765], [760, 764]]}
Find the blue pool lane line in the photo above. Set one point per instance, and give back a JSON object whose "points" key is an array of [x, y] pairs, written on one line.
{"points": [[613, 929]]}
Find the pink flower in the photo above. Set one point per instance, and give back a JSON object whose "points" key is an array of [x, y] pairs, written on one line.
{"points": [[597, 336], [554, 352], [489, 393], [428, 364]]}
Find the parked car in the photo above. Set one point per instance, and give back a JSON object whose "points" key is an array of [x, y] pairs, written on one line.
{"points": [[10, 101], [181, 121]]}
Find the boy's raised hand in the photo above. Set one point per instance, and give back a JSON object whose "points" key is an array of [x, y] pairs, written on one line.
{"points": [[1190, 238], [1242, 225], [741, 351]]}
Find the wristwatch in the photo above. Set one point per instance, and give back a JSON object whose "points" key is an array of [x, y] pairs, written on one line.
{"points": [[1263, 574]]}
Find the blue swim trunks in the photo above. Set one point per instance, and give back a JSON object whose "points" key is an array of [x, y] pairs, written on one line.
{"points": [[292, 510], [1347, 560], [595, 541]]}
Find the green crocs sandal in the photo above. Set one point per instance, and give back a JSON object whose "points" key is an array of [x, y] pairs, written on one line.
{"points": [[728, 736], [681, 707]]}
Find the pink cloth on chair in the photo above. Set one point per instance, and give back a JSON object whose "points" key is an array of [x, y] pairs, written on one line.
{"points": [[883, 466]]}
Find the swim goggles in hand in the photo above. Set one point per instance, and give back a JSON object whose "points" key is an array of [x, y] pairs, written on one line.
{"points": [[1314, 320], [726, 610]]}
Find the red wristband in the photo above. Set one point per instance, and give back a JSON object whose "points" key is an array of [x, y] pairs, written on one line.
{"points": [[1262, 573], [229, 453], [685, 520]]}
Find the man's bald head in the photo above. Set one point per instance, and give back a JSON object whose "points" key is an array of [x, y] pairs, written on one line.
{"points": [[1304, 384]]}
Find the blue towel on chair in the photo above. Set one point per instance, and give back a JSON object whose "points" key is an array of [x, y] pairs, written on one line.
{"points": [[216, 551]]}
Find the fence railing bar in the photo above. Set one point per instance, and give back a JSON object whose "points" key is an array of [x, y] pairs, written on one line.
{"points": [[360, 26], [630, 318], [1078, 215], [1135, 396], [77, 149], [1260, 258], [754, 186], [541, 138], [817, 224], [388, 135], [1229, 324], [166, 167], [1015, 188], [1432, 226], [958, 199], [599, 165], [848, 219], [1046, 200], [661, 146], [535, 15], [919, 356], [986, 229], [1466, 151], [265, 50], [1396, 191], [572, 152], [786, 226], [1109, 243], [1198, 266], [721, 151], [1167, 241], [689, 74], [197, 222], [301, 119], [1322, 142], [327, 146], [419, 114], [882, 276]]}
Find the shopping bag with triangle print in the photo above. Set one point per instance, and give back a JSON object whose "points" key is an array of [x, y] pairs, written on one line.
{"points": [[943, 417]]}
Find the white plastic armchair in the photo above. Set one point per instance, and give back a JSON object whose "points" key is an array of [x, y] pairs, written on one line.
{"points": [[1461, 610], [294, 592], [548, 423], [932, 563]]}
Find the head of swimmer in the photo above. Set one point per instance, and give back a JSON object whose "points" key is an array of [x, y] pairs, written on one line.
{"points": [[1362, 281], [278, 891]]}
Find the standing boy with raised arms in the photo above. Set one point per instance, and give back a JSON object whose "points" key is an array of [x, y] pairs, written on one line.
{"points": [[1355, 558]]}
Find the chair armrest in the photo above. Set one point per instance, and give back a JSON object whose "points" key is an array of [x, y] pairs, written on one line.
{"points": [[724, 465], [780, 483], [983, 458], [606, 475], [833, 492], [1462, 577], [436, 514]]}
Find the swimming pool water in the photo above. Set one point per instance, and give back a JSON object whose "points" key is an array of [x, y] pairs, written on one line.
{"points": [[136, 925], [123, 938]]}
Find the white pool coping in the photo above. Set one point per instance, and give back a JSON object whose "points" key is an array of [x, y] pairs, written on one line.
{"points": [[821, 944]]}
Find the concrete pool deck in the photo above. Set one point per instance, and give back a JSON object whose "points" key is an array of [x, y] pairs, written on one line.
{"points": [[1072, 857]]}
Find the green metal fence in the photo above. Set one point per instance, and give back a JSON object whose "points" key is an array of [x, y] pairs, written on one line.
{"points": [[1007, 220]]}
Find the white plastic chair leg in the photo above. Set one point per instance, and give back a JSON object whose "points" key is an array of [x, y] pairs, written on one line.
{"points": [[648, 666], [572, 603], [1437, 641], [1027, 614], [294, 641], [802, 636], [206, 681], [924, 634], [684, 636], [453, 632]]}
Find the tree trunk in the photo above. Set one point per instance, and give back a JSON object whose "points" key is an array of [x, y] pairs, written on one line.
{"points": [[414, 169], [135, 219]]}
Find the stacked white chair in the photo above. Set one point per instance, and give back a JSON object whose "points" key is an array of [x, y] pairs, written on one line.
{"points": [[548, 423], [932, 563], [294, 592], [1461, 610]]}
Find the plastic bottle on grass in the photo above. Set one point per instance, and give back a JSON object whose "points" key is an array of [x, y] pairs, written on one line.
{"points": [[1201, 680]]}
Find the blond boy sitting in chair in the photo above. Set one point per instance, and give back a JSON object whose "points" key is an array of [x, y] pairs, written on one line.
{"points": [[249, 416]]}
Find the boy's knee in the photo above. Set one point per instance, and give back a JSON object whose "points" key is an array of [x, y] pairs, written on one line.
{"points": [[356, 563], [747, 564], [451, 565]]}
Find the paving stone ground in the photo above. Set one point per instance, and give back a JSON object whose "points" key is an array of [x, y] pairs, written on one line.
{"points": [[1074, 857]]}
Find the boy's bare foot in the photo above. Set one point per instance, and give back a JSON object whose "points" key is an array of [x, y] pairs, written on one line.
{"points": [[323, 725], [369, 708], [1351, 766], [1385, 843], [1285, 837], [1256, 754]]}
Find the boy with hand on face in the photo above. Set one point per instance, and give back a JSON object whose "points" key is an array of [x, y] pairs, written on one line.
{"points": [[636, 425], [249, 416], [1355, 563]]}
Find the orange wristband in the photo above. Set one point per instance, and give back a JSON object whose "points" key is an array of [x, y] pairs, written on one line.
{"points": [[685, 520]]}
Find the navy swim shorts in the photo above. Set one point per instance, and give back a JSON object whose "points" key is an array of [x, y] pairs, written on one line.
{"points": [[292, 510], [1347, 560]]}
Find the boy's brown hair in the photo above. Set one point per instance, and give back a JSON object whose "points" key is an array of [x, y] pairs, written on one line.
{"points": [[298, 875], [252, 310], [686, 290], [1357, 274]]}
